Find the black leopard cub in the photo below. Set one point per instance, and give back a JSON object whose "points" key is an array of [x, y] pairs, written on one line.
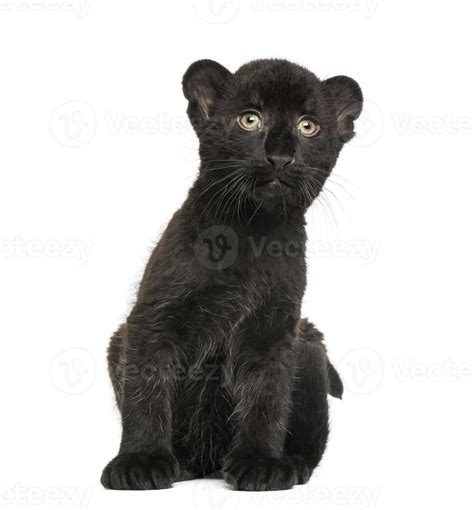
{"points": [[215, 372]]}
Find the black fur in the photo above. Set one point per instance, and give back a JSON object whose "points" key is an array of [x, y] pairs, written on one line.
{"points": [[215, 372]]}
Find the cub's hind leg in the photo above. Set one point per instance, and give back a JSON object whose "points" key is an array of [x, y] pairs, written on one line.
{"points": [[116, 361], [309, 419]]}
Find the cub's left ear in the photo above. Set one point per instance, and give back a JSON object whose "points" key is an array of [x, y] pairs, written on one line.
{"points": [[203, 83], [348, 100]]}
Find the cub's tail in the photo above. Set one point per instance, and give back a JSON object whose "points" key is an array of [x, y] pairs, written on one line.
{"points": [[336, 388], [310, 333]]}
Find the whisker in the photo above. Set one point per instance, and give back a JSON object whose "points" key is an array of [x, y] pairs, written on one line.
{"points": [[220, 193], [214, 183], [231, 188]]}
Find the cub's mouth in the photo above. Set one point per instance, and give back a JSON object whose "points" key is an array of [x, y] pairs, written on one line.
{"points": [[274, 183]]}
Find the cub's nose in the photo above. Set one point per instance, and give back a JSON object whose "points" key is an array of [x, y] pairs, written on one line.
{"points": [[280, 162]]}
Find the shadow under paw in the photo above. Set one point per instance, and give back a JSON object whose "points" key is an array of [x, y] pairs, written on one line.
{"points": [[136, 471]]}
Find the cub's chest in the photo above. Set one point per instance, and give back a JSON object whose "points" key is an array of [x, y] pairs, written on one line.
{"points": [[228, 251], [274, 257], [274, 247]]}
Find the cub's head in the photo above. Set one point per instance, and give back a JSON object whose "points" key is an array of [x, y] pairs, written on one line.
{"points": [[271, 132]]}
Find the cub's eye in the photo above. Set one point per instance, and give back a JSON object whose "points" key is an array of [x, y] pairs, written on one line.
{"points": [[308, 127], [250, 121]]}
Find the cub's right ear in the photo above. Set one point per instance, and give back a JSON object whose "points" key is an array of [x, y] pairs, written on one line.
{"points": [[203, 83]]}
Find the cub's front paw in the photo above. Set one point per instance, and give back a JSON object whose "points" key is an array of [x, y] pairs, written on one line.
{"points": [[256, 473], [136, 471]]}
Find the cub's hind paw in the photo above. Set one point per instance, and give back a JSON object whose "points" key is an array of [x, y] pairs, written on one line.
{"points": [[136, 471], [255, 473], [303, 470]]}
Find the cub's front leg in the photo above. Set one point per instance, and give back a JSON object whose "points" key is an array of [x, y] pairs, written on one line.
{"points": [[145, 460], [264, 369]]}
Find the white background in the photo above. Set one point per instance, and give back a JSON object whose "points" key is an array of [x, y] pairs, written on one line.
{"points": [[96, 154]]}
